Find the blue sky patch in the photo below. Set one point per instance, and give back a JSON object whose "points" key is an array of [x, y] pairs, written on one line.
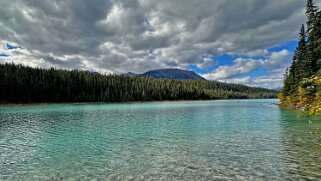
{"points": [[228, 60], [4, 55], [9, 46], [290, 46]]}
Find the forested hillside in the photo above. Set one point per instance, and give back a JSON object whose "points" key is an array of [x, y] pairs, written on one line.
{"points": [[302, 86], [19, 84], [173, 74]]}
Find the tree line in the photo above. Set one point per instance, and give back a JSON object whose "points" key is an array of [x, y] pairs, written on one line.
{"points": [[302, 79], [21, 84], [307, 58]]}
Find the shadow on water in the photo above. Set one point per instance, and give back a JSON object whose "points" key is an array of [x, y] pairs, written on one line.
{"points": [[302, 143]]}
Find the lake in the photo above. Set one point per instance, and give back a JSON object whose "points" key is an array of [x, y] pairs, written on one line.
{"points": [[192, 140]]}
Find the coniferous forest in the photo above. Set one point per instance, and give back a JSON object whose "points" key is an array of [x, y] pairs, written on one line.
{"points": [[20, 84], [302, 86]]}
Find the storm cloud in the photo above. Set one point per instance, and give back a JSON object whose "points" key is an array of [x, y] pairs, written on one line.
{"points": [[117, 36]]}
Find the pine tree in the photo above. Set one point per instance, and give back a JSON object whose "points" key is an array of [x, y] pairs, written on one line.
{"points": [[317, 42], [304, 63], [300, 68], [311, 12], [287, 82], [313, 30]]}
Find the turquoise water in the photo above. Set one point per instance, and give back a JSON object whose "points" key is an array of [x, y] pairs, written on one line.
{"points": [[211, 140]]}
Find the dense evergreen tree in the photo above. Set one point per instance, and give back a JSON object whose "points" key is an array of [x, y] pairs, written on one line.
{"points": [[311, 12], [307, 58], [300, 68], [19, 84], [302, 86], [316, 46], [313, 32], [304, 64]]}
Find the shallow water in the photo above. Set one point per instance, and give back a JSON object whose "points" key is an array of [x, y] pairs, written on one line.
{"points": [[211, 140]]}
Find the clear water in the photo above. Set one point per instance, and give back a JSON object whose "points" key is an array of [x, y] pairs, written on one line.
{"points": [[212, 140]]}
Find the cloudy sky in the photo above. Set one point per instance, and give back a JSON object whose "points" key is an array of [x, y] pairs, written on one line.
{"points": [[249, 42]]}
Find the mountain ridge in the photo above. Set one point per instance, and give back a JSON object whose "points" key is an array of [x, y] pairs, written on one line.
{"points": [[168, 73]]}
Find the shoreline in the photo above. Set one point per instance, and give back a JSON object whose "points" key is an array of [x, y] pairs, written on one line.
{"points": [[124, 102]]}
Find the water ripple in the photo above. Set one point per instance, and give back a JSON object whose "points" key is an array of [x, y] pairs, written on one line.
{"points": [[212, 140]]}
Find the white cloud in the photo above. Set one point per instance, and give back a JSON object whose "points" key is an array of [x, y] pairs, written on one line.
{"points": [[275, 65], [206, 61], [19, 56], [116, 35], [271, 82], [182, 30], [258, 52], [275, 59], [240, 67]]}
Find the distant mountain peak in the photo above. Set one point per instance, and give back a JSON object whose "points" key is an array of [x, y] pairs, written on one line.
{"points": [[131, 74], [168, 73], [173, 73]]}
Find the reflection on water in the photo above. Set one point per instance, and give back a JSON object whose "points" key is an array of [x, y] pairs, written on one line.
{"points": [[213, 140]]}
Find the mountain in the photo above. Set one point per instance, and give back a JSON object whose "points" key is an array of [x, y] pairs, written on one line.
{"points": [[131, 74], [172, 73]]}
